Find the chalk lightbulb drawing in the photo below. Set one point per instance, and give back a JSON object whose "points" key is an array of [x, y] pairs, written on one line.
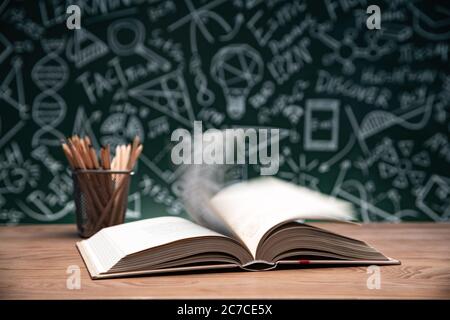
{"points": [[237, 69]]}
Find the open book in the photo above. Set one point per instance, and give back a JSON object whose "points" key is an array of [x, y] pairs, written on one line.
{"points": [[264, 227]]}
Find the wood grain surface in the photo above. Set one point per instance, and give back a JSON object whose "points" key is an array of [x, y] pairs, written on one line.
{"points": [[34, 260]]}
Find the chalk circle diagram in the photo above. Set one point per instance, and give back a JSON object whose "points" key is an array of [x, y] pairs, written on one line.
{"points": [[134, 32], [237, 69], [119, 128]]}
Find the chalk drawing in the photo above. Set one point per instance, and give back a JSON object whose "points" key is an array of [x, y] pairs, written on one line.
{"points": [[3, 5], [121, 128], [434, 198], [380, 120], [16, 172], [167, 94], [402, 166], [43, 212], [196, 19], [83, 123], [84, 48], [321, 130], [346, 51], [136, 45], [299, 171], [11, 88], [363, 115], [346, 189], [135, 200], [205, 97], [49, 109], [237, 69], [5, 48], [431, 22], [157, 127]]}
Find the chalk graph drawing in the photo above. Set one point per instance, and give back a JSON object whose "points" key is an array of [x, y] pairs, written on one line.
{"points": [[49, 109], [237, 69], [377, 121], [136, 44]]}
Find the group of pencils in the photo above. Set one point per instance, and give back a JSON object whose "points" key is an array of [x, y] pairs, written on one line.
{"points": [[102, 180]]}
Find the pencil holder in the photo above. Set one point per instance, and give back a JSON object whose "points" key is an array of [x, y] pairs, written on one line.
{"points": [[101, 198]]}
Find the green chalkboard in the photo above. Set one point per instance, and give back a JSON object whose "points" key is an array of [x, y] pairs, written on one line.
{"points": [[363, 114]]}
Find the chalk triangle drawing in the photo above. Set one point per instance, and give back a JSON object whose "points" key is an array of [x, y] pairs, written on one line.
{"points": [[416, 177], [390, 155], [11, 89], [400, 181], [421, 159], [5, 48], [134, 200], [83, 126], [405, 147], [387, 170], [84, 48], [167, 94]]}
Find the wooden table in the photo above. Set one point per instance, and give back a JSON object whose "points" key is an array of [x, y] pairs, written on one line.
{"points": [[34, 261]]}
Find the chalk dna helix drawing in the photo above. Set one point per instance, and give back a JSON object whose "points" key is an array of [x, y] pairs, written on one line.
{"points": [[49, 109]]}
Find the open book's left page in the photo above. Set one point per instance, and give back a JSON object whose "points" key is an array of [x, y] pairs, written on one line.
{"points": [[108, 246]]}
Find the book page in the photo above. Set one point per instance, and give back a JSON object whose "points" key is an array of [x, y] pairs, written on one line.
{"points": [[149, 233], [253, 207], [108, 246]]}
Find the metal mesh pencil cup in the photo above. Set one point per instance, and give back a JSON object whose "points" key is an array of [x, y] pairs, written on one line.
{"points": [[101, 198]]}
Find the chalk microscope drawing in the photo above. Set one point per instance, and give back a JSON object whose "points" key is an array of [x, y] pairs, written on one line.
{"points": [[363, 114]]}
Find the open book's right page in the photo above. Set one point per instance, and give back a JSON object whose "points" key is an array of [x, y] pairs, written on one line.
{"points": [[252, 208]]}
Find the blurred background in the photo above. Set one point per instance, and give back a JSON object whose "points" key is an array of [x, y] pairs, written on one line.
{"points": [[363, 114]]}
